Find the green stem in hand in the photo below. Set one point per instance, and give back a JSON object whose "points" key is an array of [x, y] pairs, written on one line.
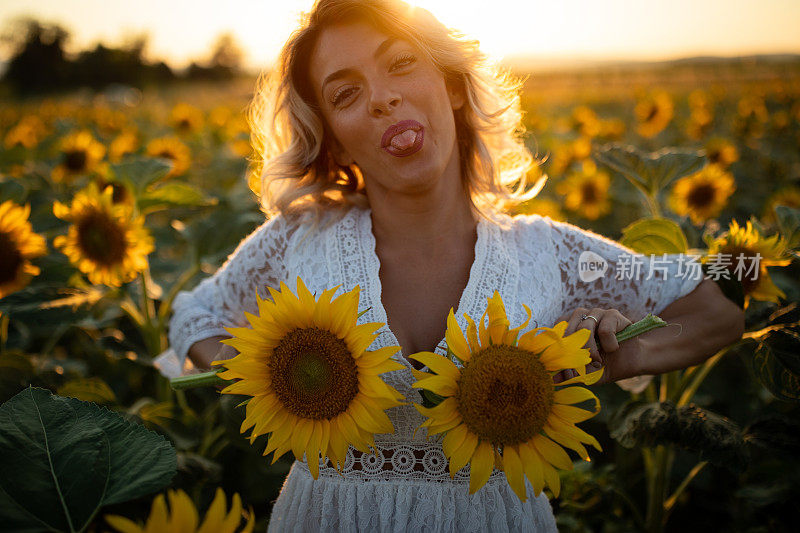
{"points": [[646, 324], [204, 379]]}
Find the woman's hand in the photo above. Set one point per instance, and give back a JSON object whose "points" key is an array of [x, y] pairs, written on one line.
{"points": [[604, 349]]}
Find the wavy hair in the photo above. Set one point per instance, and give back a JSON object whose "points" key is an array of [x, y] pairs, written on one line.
{"points": [[294, 167]]}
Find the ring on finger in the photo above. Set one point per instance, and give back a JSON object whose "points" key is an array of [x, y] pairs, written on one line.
{"points": [[586, 317]]}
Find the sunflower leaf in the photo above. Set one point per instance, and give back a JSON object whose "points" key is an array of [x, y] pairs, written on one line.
{"points": [[649, 171], [776, 362], [430, 399], [714, 437], [655, 236], [173, 194], [789, 224], [92, 389], [63, 459], [141, 172]]}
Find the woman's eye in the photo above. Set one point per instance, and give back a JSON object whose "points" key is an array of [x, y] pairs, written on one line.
{"points": [[402, 61], [340, 96]]}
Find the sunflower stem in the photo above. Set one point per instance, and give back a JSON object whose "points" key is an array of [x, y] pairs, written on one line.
{"points": [[4, 320], [698, 377], [644, 325], [204, 379], [670, 503]]}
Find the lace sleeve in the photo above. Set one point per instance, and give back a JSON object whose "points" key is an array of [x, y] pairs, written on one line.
{"points": [[599, 272], [221, 300]]}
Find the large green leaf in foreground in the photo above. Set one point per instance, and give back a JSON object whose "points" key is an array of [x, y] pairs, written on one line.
{"points": [[62, 459]]}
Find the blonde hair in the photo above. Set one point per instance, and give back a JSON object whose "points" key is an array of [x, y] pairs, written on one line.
{"points": [[294, 167]]}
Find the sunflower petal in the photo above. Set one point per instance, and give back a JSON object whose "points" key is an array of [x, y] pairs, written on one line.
{"points": [[481, 466], [512, 466]]}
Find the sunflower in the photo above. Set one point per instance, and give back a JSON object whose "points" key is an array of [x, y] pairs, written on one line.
{"points": [[27, 133], [125, 143], [700, 122], [186, 118], [721, 152], [585, 121], [788, 196], [105, 240], [502, 407], [702, 195], [80, 154], [18, 244], [315, 387], [565, 155], [174, 150], [541, 206], [586, 191], [654, 113], [750, 255], [182, 516]]}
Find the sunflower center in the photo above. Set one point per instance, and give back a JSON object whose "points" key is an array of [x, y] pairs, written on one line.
{"points": [[101, 239], [505, 395], [589, 192], [75, 160], [10, 258], [701, 195], [166, 154], [746, 269], [652, 113], [314, 374]]}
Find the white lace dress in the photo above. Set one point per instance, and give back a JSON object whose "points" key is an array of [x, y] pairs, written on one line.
{"points": [[405, 486]]}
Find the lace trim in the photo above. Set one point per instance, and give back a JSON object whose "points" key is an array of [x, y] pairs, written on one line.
{"points": [[398, 461]]}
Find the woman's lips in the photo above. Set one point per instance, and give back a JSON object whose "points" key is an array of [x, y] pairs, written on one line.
{"points": [[404, 138]]}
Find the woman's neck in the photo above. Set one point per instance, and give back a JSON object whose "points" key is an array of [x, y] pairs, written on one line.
{"points": [[423, 223]]}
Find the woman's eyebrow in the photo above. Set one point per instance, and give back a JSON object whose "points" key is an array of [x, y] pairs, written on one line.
{"points": [[381, 49]]}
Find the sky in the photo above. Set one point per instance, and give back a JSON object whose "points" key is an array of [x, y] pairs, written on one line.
{"points": [[182, 30]]}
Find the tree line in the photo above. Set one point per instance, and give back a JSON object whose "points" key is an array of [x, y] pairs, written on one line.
{"points": [[38, 62]]}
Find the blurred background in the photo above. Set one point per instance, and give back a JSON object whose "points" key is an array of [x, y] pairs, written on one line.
{"points": [[679, 119]]}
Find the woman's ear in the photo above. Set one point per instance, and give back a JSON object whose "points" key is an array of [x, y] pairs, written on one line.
{"points": [[456, 93]]}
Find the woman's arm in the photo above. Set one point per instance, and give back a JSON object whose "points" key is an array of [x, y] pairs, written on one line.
{"points": [[700, 324], [203, 352]]}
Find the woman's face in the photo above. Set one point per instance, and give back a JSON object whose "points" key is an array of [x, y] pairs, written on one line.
{"points": [[388, 108]]}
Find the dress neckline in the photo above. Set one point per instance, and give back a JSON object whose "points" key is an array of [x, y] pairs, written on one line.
{"points": [[375, 289]]}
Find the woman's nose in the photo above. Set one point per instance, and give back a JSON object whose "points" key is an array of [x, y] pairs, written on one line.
{"points": [[383, 101]]}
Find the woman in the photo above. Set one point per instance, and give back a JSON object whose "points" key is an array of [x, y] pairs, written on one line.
{"points": [[387, 148]]}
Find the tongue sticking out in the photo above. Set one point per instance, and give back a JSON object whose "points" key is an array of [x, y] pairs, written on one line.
{"points": [[405, 140]]}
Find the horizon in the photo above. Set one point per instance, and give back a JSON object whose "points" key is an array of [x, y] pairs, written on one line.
{"points": [[579, 32]]}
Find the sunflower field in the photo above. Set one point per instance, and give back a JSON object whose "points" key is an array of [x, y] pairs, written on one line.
{"points": [[113, 202]]}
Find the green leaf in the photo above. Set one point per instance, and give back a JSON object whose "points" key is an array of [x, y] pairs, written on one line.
{"points": [[776, 363], [92, 389], [789, 224], [655, 236], [142, 172], [714, 437], [649, 171], [12, 189], [63, 459], [173, 194]]}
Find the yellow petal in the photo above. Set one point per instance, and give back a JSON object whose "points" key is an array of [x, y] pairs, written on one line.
{"points": [[454, 337], [438, 363], [441, 385], [462, 454], [572, 395], [532, 463], [481, 466], [552, 452], [498, 321], [512, 466]]}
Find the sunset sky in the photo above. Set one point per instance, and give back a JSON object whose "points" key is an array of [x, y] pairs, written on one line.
{"points": [[181, 30]]}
